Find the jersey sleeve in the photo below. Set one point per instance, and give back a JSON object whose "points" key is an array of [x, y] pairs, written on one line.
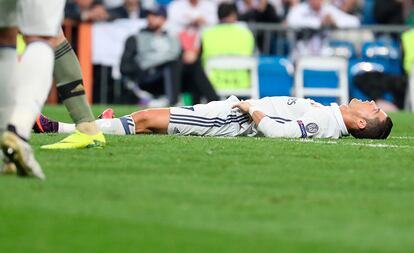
{"points": [[305, 127]]}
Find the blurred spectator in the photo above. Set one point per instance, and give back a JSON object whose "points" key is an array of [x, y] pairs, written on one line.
{"points": [[131, 9], [284, 6], [317, 14], [257, 11], [228, 38], [311, 17], [389, 12], [86, 10], [112, 3], [349, 6], [151, 58], [187, 18], [409, 12], [183, 14]]}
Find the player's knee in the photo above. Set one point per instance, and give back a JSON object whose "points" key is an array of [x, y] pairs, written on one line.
{"points": [[141, 118], [8, 36]]}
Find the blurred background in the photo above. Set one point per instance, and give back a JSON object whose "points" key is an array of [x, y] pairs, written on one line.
{"points": [[180, 52]]}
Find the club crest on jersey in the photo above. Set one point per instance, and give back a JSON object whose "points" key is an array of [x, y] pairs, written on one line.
{"points": [[312, 128]]}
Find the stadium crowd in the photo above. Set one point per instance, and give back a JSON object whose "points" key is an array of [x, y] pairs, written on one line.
{"points": [[203, 12], [167, 56]]}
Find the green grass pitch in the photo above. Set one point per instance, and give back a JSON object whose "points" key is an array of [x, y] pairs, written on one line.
{"points": [[191, 194]]}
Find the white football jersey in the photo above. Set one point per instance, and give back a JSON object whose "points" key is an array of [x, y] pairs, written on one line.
{"points": [[298, 118]]}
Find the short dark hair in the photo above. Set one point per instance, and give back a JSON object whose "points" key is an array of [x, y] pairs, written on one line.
{"points": [[225, 10], [375, 129]]}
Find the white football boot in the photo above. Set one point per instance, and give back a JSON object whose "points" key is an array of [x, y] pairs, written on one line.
{"points": [[21, 154]]}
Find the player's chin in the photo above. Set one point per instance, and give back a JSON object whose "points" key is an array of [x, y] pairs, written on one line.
{"points": [[354, 100]]}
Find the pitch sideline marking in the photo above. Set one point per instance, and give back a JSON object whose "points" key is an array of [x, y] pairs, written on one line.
{"points": [[352, 143], [402, 137]]}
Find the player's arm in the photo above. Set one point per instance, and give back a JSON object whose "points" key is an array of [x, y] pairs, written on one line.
{"points": [[299, 128]]}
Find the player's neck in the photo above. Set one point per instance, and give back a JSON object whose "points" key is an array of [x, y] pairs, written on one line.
{"points": [[347, 116]]}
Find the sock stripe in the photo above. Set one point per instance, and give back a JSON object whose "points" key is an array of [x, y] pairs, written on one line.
{"points": [[65, 46], [62, 53], [124, 123]]}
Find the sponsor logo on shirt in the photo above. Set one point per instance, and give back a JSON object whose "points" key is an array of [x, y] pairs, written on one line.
{"points": [[291, 101]]}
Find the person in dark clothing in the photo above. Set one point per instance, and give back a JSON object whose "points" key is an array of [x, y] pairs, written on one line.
{"points": [[257, 11], [86, 10], [196, 82], [131, 9], [154, 60], [151, 58], [388, 12]]}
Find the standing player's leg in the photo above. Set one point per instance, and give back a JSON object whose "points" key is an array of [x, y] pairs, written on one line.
{"points": [[8, 64], [68, 76], [34, 78]]}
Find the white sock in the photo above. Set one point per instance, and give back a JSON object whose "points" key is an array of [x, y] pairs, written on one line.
{"points": [[66, 128], [119, 126], [34, 78], [8, 64]]}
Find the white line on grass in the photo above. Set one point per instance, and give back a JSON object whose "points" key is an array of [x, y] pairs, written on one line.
{"points": [[370, 145], [402, 137]]}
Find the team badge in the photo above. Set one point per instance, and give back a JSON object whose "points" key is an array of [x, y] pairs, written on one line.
{"points": [[312, 128]]}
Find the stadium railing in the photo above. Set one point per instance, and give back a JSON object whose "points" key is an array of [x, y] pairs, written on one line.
{"points": [[277, 34]]}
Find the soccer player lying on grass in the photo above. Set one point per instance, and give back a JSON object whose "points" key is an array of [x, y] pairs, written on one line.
{"points": [[271, 117]]}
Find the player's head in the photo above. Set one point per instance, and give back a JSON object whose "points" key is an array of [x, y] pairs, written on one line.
{"points": [[156, 16], [84, 4], [368, 121], [227, 12], [131, 2], [316, 4]]}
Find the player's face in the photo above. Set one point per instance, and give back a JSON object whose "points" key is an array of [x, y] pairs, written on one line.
{"points": [[84, 4], [131, 2], [315, 4], [367, 109]]}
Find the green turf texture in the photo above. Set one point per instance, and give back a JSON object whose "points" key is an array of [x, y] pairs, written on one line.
{"points": [[191, 194]]}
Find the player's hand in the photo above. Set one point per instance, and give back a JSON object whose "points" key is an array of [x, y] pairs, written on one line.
{"points": [[189, 57], [200, 21], [244, 106], [328, 20]]}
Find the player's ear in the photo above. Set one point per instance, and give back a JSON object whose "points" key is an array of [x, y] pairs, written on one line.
{"points": [[361, 123]]}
